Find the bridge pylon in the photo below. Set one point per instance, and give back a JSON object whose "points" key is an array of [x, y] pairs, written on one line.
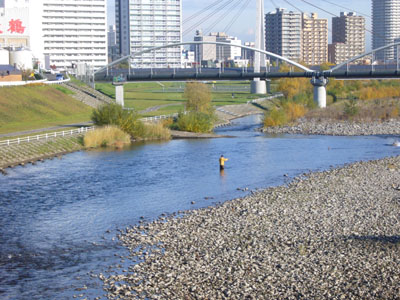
{"points": [[319, 83], [259, 86]]}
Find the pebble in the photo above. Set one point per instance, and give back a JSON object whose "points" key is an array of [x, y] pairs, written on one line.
{"points": [[337, 128], [324, 235]]}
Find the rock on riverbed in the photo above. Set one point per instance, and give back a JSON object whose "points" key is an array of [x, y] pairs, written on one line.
{"points": [[345, 128], [328, 235]]}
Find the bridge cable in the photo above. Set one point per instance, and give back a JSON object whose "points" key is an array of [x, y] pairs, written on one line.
{"points": [[349, 9], [236, 17], [295, 7], [197, 14], [231, 22], [207, 17], [228, 10]]}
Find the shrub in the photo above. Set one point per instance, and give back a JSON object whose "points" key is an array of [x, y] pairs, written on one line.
{"points": [[108, 136], [275, 117], [294, 111], [114, 114], [350, 108], [194, 122]]}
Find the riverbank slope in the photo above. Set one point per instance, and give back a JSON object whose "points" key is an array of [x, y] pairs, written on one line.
{"points": [[327, 235]]}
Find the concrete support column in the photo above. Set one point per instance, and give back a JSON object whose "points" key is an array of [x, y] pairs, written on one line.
{"points": [[258, 87], [119, 94], [320, 90]]}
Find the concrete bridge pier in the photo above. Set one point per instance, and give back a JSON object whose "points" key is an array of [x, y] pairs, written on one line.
{"points": [[119, 93], [258, 86], [319, 84]]}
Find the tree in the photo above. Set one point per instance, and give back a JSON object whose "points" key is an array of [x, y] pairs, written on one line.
{"points": [[198, 97]]}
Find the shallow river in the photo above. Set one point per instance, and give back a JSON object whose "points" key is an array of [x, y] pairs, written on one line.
{"points": [[58, 219]]}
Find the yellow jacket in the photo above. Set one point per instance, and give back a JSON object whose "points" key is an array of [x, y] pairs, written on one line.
{"points": [[222, 161]]}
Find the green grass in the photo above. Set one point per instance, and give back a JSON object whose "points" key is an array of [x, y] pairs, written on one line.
{"points": [[141, 96], [32, 107]]}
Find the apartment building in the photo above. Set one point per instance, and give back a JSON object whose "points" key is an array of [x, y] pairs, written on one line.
{"points": [[348, 37], [75, 31], [225, 53], [314, 39], [205, 52], [385, 27], [283, 33], [143, 24]]}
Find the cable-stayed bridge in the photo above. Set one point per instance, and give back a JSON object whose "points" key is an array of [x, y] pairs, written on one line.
{"points": [[319, 79]]}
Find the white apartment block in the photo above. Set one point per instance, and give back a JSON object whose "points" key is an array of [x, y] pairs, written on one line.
{"points": [[385, 26], [144, 24], [227, 52], [75, 31], [204, 52], [283, 33]]}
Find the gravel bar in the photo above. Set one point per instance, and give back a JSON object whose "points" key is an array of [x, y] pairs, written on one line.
{"points": [[343, 128], [325, 235]]}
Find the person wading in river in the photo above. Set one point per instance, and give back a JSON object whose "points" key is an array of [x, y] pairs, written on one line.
{"points": [[222, 161]]}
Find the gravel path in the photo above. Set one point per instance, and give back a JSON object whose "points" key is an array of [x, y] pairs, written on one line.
{"points": [[328, 127], [327, 235]]}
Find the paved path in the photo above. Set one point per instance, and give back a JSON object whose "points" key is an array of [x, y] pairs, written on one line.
{"points": [[40, 130]]}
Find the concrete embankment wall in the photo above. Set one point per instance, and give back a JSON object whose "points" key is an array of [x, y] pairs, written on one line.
{"points": [[31, 152]]}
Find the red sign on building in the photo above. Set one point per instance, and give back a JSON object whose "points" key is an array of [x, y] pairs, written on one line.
{"points": [[16, 26]]}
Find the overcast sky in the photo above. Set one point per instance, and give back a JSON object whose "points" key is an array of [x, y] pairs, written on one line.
{"points": [[244, 26]]}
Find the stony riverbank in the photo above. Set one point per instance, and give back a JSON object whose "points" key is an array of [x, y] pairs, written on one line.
{"points": [[345, 128], [327, 235]]}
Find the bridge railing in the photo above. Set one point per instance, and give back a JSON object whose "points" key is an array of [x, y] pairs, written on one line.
{"points": [[46, 136]]}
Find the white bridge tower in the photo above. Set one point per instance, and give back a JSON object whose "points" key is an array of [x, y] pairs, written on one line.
{"points": [[259, 86]]}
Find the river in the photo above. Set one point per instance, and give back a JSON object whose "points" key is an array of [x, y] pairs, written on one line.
{"points": [[59, 219]]}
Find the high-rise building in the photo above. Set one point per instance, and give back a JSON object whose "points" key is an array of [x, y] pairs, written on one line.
{"points": [[112, 43], [283, 33], [315, 40], [348, 37], [75, 32], [385, 26], [146, 24]]}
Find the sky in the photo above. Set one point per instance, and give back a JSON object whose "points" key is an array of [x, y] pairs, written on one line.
{"points": [[244, 27]]}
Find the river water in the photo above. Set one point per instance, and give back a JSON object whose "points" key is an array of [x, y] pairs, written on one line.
{"points": [[58, 219]]}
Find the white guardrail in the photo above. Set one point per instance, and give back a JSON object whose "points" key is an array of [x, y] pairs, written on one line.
{"points": [[157, 118], [46, 136]]}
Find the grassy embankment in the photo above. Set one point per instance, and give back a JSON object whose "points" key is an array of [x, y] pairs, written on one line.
{"points": [[144, 95], [38, 106]]}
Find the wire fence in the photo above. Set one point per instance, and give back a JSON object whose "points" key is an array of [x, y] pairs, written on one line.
{"points": [[46, 136]]}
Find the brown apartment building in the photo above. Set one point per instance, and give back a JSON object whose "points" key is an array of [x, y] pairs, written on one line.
{"points": [[314, 39], [348, 37]]}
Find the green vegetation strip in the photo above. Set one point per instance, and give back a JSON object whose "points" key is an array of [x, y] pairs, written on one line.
{"points": [[38, 106], [144, 95]]}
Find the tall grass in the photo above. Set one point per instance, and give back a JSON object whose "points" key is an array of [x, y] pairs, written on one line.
{"points": [[108, 136], [156, 131]]}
